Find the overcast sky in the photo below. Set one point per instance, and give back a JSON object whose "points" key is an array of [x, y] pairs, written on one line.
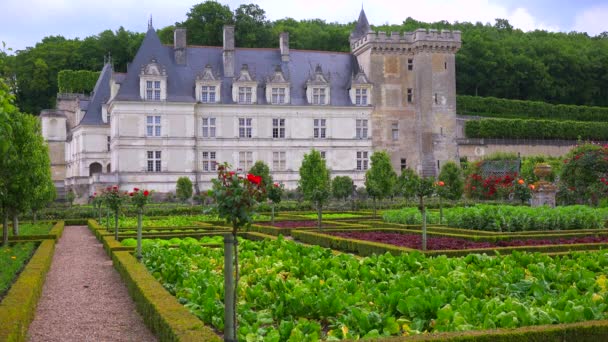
{"points": [[25, 22]]}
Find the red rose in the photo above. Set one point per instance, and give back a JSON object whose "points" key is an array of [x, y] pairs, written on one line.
{"points": [[109, 188], [520, 182], [131, 194], [231, 173], [603, 180], [254, 179], [441, 183], [94, 194], [135, 189], [146, 193], [276, 185]]}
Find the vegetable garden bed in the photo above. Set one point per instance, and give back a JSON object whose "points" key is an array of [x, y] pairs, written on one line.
{"points": [[294, 292]]}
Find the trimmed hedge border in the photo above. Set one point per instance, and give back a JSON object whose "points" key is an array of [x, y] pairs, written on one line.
{"points": [[589, 331], [162, 313], [18, 308], [54, 234]]}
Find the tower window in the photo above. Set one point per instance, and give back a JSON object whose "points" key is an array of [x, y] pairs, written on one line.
{"points": [[395, 130], [410, 64], [410, 95], [403, 164]]}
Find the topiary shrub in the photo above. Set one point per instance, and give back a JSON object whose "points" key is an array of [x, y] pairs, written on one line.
{"points": [[183, 189]]}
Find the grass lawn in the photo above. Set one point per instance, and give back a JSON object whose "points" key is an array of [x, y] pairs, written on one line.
{"points": [[31, 229], [12, 259]]}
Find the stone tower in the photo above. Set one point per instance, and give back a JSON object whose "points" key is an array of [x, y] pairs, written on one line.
{"points": [[414, 93]]}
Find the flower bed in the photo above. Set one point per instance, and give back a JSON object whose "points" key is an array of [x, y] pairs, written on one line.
{"points": [[312, 293], [414, 241]]}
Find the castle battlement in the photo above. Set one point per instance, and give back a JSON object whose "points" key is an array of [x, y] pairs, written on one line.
{"points": [[409, 41]]}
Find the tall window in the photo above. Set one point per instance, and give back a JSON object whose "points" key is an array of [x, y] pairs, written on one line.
{"points": [[245, 160], [278, 96], [403, 164], [153, 161], [278, 128], [208, 127], [209, 161], [109, 140], [323, 154], [362, 161], [208, 94], [318, 95], [153, 90], [319, 129], [410, 64], [361, 129], [395, 130], [278, 161], [361, 97], [245, 127], [153, 125], [410, 95], [244, 94]]}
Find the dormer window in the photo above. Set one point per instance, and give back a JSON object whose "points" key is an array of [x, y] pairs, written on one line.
{"points": [[278, 96], [317, 88], [208, 86], [318, 96], [153, 90], [245, 95], [361, 97], [153, 81], [361, 90], [277, 88], [244, 87], [208, 94]]}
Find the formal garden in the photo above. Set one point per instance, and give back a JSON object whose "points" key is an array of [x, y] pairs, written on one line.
{"points": [[463, 257]]}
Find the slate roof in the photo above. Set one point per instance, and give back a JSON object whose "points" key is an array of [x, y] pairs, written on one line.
{"points": [[262, 63], [101, 94], [362, 27]]}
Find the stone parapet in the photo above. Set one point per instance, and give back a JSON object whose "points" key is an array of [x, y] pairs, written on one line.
{"points": [[408, 42]]}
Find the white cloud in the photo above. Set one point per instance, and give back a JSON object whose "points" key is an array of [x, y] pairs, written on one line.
{"points": [[522, 19], [592, 20]]}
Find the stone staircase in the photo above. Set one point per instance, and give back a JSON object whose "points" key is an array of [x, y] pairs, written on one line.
{"points": [[429, 166]]}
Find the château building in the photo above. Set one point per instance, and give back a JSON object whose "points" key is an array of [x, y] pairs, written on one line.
{"points": [[180, 110]]}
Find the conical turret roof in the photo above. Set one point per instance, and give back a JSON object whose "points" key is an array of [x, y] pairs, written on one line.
{"points": [[362, 27]]}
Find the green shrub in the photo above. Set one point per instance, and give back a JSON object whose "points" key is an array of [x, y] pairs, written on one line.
{"points": [[536, 129], [504, 108], [183, 189]]}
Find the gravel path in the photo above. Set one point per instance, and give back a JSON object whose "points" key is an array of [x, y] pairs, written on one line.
{"points": [[84, 298]]}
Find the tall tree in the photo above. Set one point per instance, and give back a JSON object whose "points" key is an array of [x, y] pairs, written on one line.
{"points": [[315, 181], [205, 22], [251, 28], [380, 179]]}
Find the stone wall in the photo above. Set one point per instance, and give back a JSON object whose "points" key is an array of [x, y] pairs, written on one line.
{"points": [[476, 149]]}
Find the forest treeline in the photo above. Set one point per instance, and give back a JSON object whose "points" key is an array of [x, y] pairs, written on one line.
{"points": [[495, 59]]}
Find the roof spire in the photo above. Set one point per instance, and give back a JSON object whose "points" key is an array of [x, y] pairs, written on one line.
{"points": [[362, 28], [150, 23]]}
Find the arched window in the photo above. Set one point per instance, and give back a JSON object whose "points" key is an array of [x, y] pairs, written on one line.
{"points": [[95, 168], [109, 168]]}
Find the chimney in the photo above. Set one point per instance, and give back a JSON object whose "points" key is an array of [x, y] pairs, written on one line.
{"points": [[228, 54], [179, 46], [284, 45]]}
